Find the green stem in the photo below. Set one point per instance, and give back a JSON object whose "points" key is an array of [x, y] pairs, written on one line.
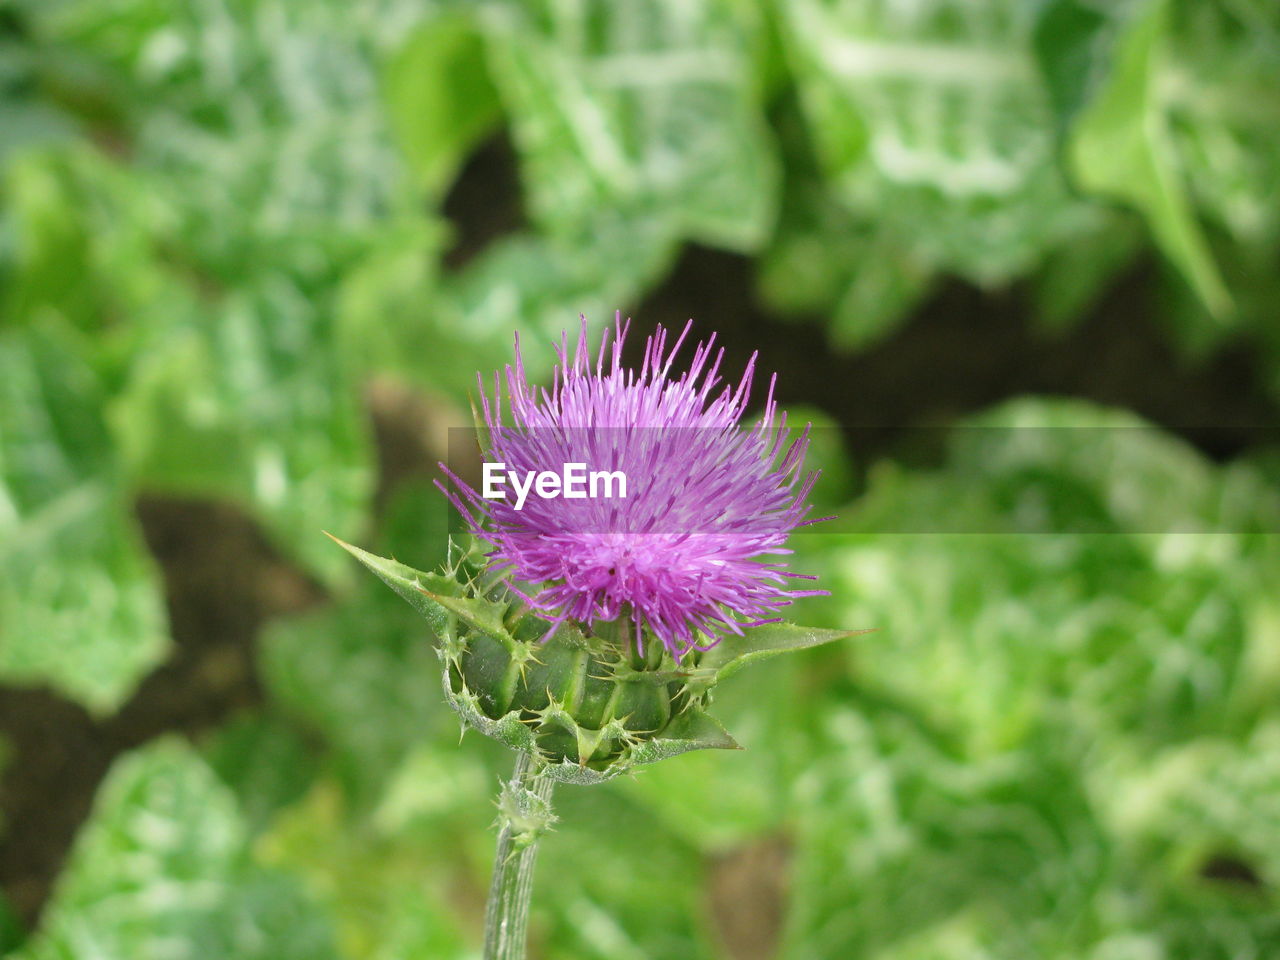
{"points": [[525, 812]]}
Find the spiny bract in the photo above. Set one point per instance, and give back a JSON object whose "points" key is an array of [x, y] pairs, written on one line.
{"points": [[587, 706]]}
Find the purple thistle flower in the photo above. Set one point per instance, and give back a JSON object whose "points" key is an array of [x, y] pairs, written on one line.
{"points": [[707, 496]]}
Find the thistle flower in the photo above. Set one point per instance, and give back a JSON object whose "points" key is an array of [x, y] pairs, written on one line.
{"points": [[679, 557], [687, 556], [690, 553]]}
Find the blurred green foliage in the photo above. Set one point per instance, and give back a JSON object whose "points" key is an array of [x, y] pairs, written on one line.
{"points": [[221, 220]]}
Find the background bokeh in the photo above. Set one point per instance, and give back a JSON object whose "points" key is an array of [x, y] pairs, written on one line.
{"points": [[252, 253]]}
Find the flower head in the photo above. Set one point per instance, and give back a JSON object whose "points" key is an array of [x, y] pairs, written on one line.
{"points": [[687, 553]]}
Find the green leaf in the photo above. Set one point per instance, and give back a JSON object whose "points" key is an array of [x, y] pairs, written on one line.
{"points": [[644, 110], [30, 124], [27, 118], [1074, 42], [931, 123], [848, 269], [266, 760], [80, 602], [237, 380], [1121, 146], [84, 229], [643, 905], [440, 98], [365, 677], [904, 851], [540, 284], [397, 278], [1205, 798], [1067, 561], [1217, 88], [163, 868], [768, 640], [245, 392], [11, 932], [392, 888], [885, 288], [250, 398], [282, 119], [1075, 276]]}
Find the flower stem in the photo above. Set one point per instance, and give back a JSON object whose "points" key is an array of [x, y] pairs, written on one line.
{"points": [[525, 813]]}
